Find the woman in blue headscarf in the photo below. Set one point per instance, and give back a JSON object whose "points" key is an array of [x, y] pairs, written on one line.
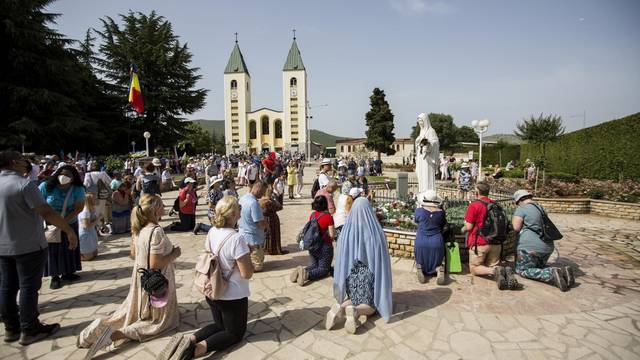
{"points": [[362, 275]]}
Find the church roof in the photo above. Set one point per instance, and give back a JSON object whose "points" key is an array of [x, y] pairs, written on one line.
{"points": [[294, 59], [236, 62]]}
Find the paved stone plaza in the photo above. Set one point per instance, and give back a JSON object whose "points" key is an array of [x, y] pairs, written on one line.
{"points": [[469, 319]]}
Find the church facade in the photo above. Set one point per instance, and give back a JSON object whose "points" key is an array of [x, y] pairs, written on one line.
{"points": [[264, 129]]}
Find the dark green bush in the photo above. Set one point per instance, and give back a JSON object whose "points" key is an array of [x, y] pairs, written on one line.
{"points": [[604, 151], [563, 177], [595, 194], [514, 174]]}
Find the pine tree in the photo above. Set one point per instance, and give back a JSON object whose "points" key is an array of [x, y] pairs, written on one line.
{"points": [[540, 131], [380, 125], [168, 82]]}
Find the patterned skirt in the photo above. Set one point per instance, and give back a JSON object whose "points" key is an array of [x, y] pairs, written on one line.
{"points": [[360, 284]]}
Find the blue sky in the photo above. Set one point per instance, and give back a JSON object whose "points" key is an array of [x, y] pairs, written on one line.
{"points": [[501, 60]]}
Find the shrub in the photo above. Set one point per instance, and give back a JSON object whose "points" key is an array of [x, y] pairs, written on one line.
{"points": [[595, 193], [604, 152], [564, 177], [113, 163], [513, 174]]}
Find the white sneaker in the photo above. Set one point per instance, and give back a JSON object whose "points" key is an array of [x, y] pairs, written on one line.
{"points": [[297, 196], [352, 323], [102, 342], [334, 314]]}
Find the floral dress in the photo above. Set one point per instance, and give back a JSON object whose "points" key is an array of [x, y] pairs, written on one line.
{"points": [[270, 208]]}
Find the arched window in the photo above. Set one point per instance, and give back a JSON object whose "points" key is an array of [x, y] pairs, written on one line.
{"points": [[234, 85], [252, 130], [293, 81], [278, 126], [265, 125]]}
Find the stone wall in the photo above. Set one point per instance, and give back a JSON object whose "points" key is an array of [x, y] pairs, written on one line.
{"points": [[598, 207], [401, 243]]}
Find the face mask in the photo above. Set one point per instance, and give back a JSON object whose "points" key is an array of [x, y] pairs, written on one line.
{"points": [[64, 179]]}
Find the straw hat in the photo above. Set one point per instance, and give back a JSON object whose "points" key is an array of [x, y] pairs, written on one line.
{"points": [[156, 162], [430, 197]]}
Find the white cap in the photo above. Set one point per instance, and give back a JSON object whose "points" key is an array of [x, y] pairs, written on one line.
{"points": [[325, 161], [355, 192], [520, 194], [189, 179]]}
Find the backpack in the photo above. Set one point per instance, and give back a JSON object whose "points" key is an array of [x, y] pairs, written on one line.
{"points": [[465, 180], [549, 230], [310, 237], [208, 277], [315, 187], [150, 186], [495, 225], [104, 192], [176, 205]]}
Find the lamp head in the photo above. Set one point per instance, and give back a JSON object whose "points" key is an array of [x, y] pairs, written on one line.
{"points": [[146, 134], [484, 123], [474, 123]]}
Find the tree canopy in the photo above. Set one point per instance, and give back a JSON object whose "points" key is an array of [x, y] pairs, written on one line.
{"points": [[379, 121], [540, 130]]}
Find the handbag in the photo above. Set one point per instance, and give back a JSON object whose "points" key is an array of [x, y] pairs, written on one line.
{"points": [[51, 232], [452, 253], [152, 280]]}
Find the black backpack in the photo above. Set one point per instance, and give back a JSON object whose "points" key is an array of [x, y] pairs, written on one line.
{"points": [[311, 236], [549, 230], [176, 205], [150, 186], [315, 187], [495, 226]]}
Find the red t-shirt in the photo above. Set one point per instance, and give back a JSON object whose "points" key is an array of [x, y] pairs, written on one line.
{"points": [[190, 208], [324, 221], [475, 215], [269, 164]]}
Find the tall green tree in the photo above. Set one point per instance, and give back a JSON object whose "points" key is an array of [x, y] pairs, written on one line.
{"points": [[541, 131], [167, 79], [466, 134], [379, 121], [196, 139], [445, 128]]}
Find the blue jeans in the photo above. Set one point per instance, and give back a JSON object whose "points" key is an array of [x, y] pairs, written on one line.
{"points": [[21, 272]]}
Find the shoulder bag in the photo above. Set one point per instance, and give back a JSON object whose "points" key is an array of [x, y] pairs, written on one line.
{"points": [[152, 280], [51, 232], [208, 278]]}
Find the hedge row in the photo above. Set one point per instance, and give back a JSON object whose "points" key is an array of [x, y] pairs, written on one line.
{"points": [[599, 152]]}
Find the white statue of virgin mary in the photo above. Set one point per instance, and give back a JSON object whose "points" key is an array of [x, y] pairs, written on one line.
{"points": [[427, 152]]}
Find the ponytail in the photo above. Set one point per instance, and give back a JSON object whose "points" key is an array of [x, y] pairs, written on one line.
{"points": [[145, 212]]}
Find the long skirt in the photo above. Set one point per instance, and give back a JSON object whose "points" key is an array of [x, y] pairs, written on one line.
{"points": [[429, 252], [121, 222], [61, 260], [273, 245]]}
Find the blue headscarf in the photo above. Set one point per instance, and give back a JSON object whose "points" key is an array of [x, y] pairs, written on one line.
{"points": [[362, 239]]}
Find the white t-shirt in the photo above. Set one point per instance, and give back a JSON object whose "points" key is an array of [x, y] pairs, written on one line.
{"points": [[323, 180], [166, 175], [252, 172], [340, 216], [233, 249]]}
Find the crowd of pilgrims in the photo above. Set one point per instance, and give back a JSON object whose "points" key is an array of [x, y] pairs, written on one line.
{"points": [[240, 230]]}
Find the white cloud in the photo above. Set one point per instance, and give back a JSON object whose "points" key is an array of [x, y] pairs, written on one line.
{"points": [[416, 7]]}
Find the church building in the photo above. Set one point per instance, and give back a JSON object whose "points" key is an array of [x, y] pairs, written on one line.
{"points": [[264, 129]]}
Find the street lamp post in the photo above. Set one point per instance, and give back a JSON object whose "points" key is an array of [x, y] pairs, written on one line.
{"points": [[309, 117], [147, 135], [133, 144], [480, 127]]}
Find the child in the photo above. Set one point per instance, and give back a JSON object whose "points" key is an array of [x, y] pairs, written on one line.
{"points": [[88, 219]]}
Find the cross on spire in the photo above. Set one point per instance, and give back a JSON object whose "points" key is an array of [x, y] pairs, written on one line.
{"points": [[236, 38], [294, 34]]}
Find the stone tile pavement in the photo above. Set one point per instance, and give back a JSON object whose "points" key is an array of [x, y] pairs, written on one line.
{"points": [[469, 319]]}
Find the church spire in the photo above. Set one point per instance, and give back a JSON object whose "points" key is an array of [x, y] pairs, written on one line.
{"points": [[294, 59], [236, 62]]}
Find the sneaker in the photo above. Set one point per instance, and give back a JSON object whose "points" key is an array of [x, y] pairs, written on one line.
{"points": [[56, 283], [512, 282], [294, 274], [334, 314], [302, 276], [11, 336], [171, 347], [500, 277], [298, 196], [196, 229], [442, 277], [353, 322], [421, 278], [43, 331], [558, 279], [102, 342], [569, 276]]}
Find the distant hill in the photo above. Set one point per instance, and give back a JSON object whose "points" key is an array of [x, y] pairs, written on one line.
{"points": [[509, 138], [217, 127]]}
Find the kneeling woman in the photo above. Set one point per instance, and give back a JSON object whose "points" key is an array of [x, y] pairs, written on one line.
{"points": [[230, 311], [141, 317], [362, 275], [320, 259], [429, 246]]}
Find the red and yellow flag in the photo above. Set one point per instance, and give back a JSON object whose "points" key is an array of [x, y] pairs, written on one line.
{"points": [[135, 93]]}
